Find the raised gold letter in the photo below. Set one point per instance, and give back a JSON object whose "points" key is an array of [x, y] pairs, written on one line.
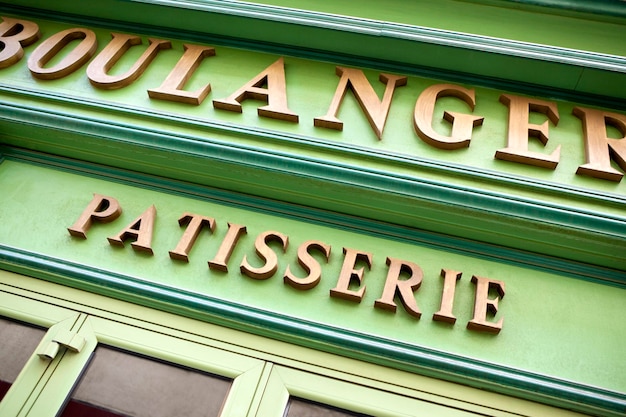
{"points": [[55, 43], [309, 264], [220, 262], [194, 224], [450, 278], [171, 89], [348, 272], [102, 208], [266, 253], [404, 289], [141, 229], [482, 304], [108, 57], [375, 109], [14, 34], [599, 148], [520, 130], [462, 124], [275, 94]]}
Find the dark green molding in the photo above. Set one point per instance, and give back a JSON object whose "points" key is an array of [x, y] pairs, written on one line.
{"points": [[605, 10], [412, 358], [313, 143], [576, 75]]}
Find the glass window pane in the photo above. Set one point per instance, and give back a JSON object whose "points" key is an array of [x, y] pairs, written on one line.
{"points": [[17, 343], [303, 408], [119, 383]]}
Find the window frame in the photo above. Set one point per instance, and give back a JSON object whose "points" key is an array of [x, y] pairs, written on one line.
{"points": [[43, 386]]}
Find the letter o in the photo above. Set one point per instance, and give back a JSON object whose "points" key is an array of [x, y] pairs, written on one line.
{"points": [[74, 60]]}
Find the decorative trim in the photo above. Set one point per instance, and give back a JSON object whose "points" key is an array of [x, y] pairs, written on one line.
{"points": [[360, 346], [310, 142], [573, 269]]}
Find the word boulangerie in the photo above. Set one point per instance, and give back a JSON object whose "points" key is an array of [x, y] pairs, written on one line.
{"points": [[270, 86]]}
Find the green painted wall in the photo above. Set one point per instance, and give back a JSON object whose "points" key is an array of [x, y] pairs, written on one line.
{"points": [[555, 238]]}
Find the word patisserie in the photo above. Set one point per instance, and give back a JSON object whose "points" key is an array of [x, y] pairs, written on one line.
{"points": [[270, 86], [107, 209]]}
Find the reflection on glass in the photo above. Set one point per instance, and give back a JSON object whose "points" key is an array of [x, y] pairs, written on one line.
{"points": [[17, 343], [118, 383], [303, 408]]}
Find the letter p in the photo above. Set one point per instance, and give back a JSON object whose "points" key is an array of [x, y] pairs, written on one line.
{"points": [[102, 209]]}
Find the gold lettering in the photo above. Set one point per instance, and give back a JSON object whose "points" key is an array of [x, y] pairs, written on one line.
{"points": [[140, 229], [53, 45], [351, 256], [194, 223], [444, 314], [404, 289], [600, 148], [375, 109], [520, 129], [462, 124], [115, 49], [483, 304], [102, 209], [309, 264], [220, 262], [171, 89], [266, 254], [15, 34], [275, 95]]}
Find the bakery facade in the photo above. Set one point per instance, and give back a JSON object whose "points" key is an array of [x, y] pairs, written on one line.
{"points": [[254, 209]]}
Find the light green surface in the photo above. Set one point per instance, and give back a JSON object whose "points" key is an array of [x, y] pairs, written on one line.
{"points": [[540, 310]]}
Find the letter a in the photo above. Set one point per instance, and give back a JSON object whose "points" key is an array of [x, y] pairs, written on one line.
{"points": [[275, 94], [141, 229]]}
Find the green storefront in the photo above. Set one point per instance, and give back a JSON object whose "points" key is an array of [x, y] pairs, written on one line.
{"points": [[402, 208]]}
